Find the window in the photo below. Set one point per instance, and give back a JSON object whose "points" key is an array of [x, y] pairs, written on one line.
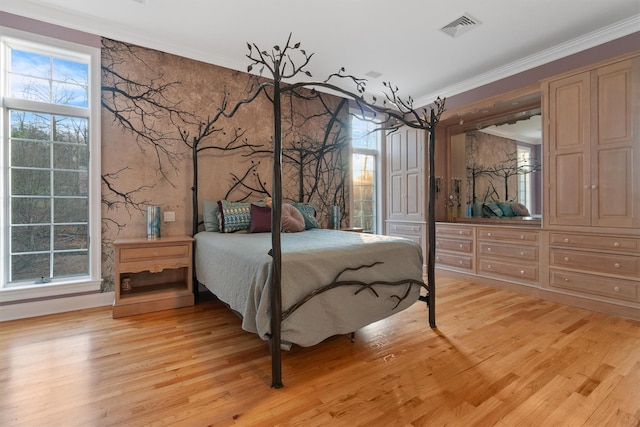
{"points": [[365, 155], [525, 166], [50, 176]]}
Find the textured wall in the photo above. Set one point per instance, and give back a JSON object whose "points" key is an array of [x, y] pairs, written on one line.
{"points": [[155, 103]]}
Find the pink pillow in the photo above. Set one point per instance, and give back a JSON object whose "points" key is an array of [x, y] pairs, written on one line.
{"points": [[292, 220]]}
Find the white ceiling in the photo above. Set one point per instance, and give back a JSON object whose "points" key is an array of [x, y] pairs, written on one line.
{"points": [[401, 40]]}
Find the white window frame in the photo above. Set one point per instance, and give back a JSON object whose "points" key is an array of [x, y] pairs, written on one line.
{"points": [[376, 153], [91, 282]]}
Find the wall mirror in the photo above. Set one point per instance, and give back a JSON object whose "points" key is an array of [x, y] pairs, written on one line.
{"points": [[496, 159]]}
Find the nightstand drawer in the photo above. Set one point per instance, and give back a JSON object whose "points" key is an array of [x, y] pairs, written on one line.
{"points": [[154, 253], [502, 250]]}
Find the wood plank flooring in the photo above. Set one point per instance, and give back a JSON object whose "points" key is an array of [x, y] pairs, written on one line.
{"points": [[496, 359]]}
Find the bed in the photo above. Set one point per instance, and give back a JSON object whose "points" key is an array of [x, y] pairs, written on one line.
{"points": [[332, 282]]}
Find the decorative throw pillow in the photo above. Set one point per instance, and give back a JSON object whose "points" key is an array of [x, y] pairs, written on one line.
{"points": [[260, 219], [519, 209], [309, 214], [234, 216], [506, 209], [292, 220], [492, 210], [210, 215]]}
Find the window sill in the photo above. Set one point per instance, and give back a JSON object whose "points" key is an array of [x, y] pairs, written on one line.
{"points": [[49, 290]]}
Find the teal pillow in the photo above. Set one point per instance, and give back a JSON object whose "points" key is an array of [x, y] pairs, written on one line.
{"points": [[210, 215], [234, 216], [506, 209], [492, 210], [309, 214]]}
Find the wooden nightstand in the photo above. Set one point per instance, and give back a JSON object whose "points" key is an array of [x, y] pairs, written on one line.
{"points": [[160, 273]]}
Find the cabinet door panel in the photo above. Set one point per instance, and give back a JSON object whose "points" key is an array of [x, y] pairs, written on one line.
{"points": [[614, 85], [395, 184], [569, 113], [613, 205], [569, 151], [413, 177], [569, 192], [615, 156]]}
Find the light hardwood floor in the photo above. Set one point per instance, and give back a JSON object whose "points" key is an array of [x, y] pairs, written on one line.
{"points": [[496, 358]]}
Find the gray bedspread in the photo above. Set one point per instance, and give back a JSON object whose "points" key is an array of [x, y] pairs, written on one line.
{"points": [[236, 268]]}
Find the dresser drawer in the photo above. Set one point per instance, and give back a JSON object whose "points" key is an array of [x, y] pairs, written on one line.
{"points": [[454, 231], [151, 252], [452, 260], [464, 246], [603, 243], [614, 288], [504, 250], [522, 272], [511, 235], [405, 229], [622, 265]]}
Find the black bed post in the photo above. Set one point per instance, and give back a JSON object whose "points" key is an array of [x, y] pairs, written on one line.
{"points": [[194, 218], [431, 222], [276, 219]]}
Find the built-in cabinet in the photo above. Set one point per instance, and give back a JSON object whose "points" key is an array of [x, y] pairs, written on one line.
{"points": [[586, 251], [406, 188], [593, 154]]}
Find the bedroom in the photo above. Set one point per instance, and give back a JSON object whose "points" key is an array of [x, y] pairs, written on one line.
{"points": [[172, 198]]}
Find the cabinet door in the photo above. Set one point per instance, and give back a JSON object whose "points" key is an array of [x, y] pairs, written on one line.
{"points": [[414, 205], [395, 176], [615, 201], [405, 198], [569, 151]]}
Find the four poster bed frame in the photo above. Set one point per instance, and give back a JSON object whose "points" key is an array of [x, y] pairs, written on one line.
{"points": [[281, 66]]}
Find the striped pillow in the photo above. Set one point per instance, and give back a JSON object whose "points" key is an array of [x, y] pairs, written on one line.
{"points": [[234, 216]]}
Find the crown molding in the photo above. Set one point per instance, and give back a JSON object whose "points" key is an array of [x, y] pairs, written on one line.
{"points": [[603, 35]]}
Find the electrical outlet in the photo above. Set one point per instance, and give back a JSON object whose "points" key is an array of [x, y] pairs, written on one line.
{"points": [[169, 216]]}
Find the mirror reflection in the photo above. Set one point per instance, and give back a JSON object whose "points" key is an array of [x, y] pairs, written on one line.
{"points": [[497, 168]]}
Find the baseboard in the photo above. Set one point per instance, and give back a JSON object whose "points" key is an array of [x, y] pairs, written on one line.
{"points": [[52, 306]]}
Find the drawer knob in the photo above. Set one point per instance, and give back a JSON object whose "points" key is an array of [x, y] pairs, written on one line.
{"points": [[489, 267], [460, 232], [566, 259], [616, 288], [566, 279], [616, 244], [488, 249], [566, 240], [461, 245], [521, 237], [489, 234], [437, 258], [522, 253], [616, 265], [460, 262], [521, 271], [594, 187]]}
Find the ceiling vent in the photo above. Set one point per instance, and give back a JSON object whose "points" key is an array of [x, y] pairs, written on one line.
{"points": [[461, 25]]}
